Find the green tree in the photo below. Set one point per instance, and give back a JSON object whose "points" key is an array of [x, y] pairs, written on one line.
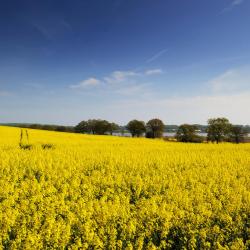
{"points": [[136, 128], [92, 125], [113, 127], [218, 129], [98, 126], [155, 128], [238, 134], [82, 127], [187, 133]]}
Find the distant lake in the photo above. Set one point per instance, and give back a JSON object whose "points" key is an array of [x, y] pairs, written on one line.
{"points": [[168, 134]]}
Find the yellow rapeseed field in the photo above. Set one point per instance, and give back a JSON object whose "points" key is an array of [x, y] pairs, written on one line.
{"points": [[103, 192]]}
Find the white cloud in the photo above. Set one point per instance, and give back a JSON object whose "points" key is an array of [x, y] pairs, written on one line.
{"points": [[119, 76], [117, 79], [233, 4], [153, 72], [228, 95], [232, 81], [90, 82], [133, 89], [197, 109], [126, 83], [237, 2]]}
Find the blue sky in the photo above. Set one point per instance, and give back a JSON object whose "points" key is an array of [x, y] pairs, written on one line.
{"points": [[182, 61]]}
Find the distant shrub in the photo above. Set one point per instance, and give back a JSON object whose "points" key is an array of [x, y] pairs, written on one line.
{"points": [[47, 146], [198, 139], [188, 133], [25, 146], [169, 139]]}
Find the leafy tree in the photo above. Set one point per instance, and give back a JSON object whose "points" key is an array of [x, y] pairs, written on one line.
{"points": [[136, 128], [187, 133], [238, 133], [155, 128], [91, 124], [218, 129], [98, 127], [82, 127], [113, 127]]}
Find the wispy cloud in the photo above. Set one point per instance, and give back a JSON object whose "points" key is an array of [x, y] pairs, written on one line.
{"points": [[52, 28], [127, 82], [232, 81], [67, 25], [132, 89], [156, 55], [153, 72], [119, 76], [43, 30], [90, 82], [237, 2], [233, 4]]}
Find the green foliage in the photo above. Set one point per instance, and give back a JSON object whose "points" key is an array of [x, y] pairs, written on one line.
{"points": [[113, 127], [82, 127], [188, 133], [58, 128], [96, 126], [218, 129], [155, 128], [136, 128], [237, 134]]}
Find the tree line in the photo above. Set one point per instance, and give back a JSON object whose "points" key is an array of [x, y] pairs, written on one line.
{"points": [[58, 128], [218, 130]]}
